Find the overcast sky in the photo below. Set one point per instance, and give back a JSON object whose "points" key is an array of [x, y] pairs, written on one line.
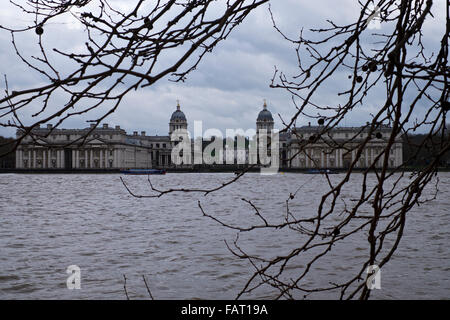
{"points": [[228, 87]]}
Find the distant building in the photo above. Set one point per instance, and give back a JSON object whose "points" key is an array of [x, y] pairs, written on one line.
{"points": [[313, 147], [96, 148], [338, 147], [112, 148]]}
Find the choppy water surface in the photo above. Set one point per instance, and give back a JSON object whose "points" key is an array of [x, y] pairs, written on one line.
{"points": [[48, 222]]}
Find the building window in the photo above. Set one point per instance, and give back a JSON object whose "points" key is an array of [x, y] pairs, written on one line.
{"points": [[68, 137], [157, 145], [164, 145]]}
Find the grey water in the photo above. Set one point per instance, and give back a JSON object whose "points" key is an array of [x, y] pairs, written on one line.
{"points": [[49, 222]]}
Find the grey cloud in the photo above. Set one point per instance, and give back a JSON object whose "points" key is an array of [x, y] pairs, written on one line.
{"points": [[228, 87]]}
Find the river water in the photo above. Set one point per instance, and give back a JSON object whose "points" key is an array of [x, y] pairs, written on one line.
{"points": [[49, 222]]}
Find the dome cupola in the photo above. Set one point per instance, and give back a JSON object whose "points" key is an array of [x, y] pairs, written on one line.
{"points": [[265, 119], [178, 114], [265, 115], [177, 120]]}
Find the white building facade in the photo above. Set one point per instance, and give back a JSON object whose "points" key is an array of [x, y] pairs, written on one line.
{"points": [[314, 147], [96, 148], [108, 147]]}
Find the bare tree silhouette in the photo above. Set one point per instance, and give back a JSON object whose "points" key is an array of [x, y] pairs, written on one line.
{"points": [[412, 81], [123, 51]]}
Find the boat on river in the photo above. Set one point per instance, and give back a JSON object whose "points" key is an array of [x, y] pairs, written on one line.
{"points": [[143, 171], [322, 171]]}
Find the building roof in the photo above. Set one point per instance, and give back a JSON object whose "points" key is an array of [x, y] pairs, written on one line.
{"points": [[178, 114], [265, 115], [311, 128]]}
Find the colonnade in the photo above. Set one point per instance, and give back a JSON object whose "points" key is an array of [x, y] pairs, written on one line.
{"points": [[56, 158]]}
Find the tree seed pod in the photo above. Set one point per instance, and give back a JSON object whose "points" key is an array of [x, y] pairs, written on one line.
{"points": [[379, 135], [321, 121], [39, 30], [148, 23], [359, 79], [365, 68]]}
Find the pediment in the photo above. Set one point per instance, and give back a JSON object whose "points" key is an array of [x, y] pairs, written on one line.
{"points": [[41, 142], [95, 141]]}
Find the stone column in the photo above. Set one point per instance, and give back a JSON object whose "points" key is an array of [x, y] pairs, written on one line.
{"points": [[74, 158], [295, 159], [34, 158], [63, 164], [44, 158], [322, 159], [371, 156], [106, 157], [306, 158], [299, 158], [115, 158], [17, 158], [353, 156], [336, 162], [91, 158], [85, 158], [19, 161], [101, 158], [366, 153]]}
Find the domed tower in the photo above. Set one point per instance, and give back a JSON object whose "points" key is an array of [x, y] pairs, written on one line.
{"points": [[177, 120], [264, 120]]}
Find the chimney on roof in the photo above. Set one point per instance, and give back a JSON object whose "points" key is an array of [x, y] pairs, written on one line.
{"points": [[309, 124], [105, 126], [49, 126], [117, 127], [135, 133], [143, 133]]}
